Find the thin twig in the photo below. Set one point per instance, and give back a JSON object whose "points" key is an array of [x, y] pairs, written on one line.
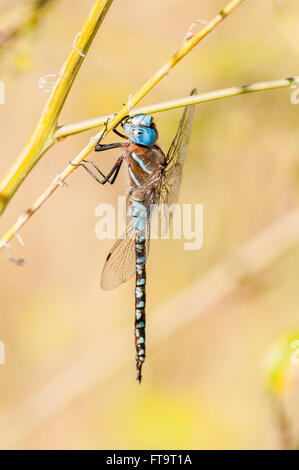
{"points": [[77, 127], [43, 137], [197, 300]]}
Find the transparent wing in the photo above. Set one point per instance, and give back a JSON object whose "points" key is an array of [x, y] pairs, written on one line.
{"points": [[151, 193], [120, 262], [176, 156]]}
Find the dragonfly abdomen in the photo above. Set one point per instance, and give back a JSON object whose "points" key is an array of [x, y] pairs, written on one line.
{"points": [[140, 304]]}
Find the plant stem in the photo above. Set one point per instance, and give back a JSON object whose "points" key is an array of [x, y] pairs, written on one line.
{"points": [[42, 137], [186, 47], [166, 68], [85, 125], [77, 127]]}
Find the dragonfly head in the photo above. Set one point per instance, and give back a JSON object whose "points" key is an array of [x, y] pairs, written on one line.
{"points": [[141, 129]]}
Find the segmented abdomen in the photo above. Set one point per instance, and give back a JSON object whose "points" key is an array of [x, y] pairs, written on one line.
{"points": [[140, 304]]}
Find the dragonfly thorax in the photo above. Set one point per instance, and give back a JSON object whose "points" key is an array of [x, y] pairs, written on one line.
{"points": [[141, 129], [144, 165]]}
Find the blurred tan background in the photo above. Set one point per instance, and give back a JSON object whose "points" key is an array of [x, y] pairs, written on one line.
{"points": [[69, 377]]}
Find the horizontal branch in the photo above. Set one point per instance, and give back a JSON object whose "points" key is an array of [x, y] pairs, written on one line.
{"points": [[77, 127], [146, 88]]}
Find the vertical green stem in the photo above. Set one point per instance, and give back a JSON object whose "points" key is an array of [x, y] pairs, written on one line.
{"points": [[42, 137]]}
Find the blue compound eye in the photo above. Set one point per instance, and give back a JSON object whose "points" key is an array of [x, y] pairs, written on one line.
{"points": [[141, 119], [141, 130], [147, 136]]}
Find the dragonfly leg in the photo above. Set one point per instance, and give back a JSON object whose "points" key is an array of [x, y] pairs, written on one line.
{"points": [[119, 133], [118, 124], [103, 133], [112, 173], [98, 146], [102, 147], [88, 171], [116, 170]]}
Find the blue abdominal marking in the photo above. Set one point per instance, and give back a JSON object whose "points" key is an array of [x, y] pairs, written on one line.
{"points": [[138, 292], [138, 205], [138, 209], [140, 163], [134, 177], [139, 214], [140, 224], [138, 314]]}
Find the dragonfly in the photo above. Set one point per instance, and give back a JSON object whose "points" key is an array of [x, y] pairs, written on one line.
{"points": [[153, 179]]}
